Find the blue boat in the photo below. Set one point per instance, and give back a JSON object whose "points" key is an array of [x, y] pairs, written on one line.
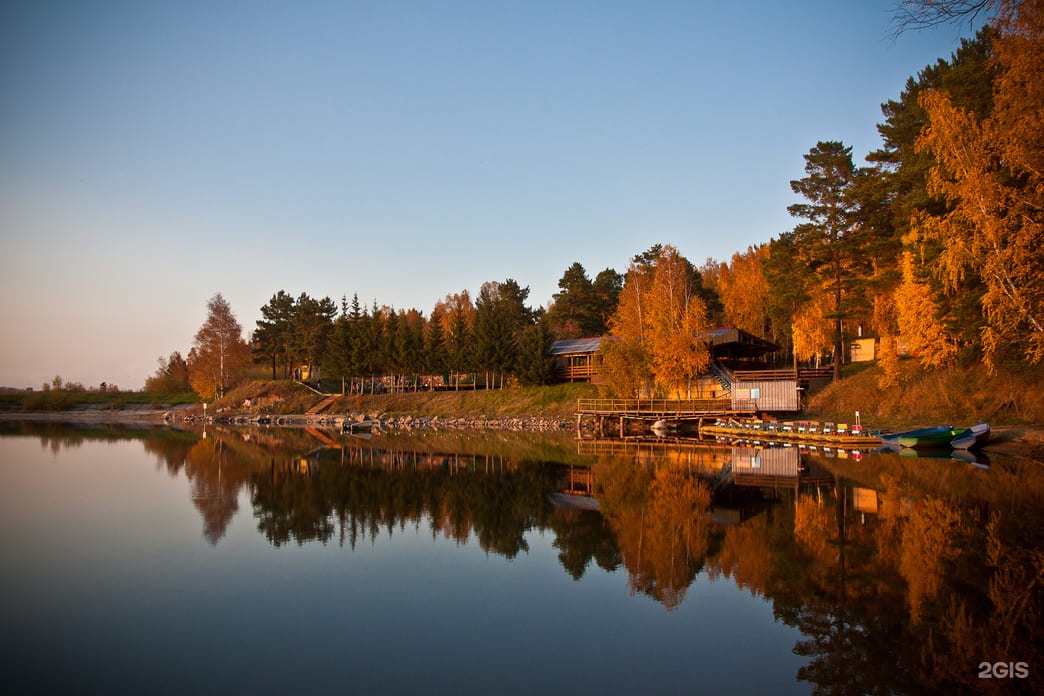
{"points": [[936, 436], [972, 437], [890, 438]]}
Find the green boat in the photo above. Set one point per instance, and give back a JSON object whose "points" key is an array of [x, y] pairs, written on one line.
{"points": [[937, 436]]}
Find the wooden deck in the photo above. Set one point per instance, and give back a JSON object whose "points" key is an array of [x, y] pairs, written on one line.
{"points": [[662, 408], [640, 414]]}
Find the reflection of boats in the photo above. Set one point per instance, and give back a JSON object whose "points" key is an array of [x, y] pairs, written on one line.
{"points": [[973, 457], [662, 427], [972, 437], [976, 459], [924, 452], [574, 501], [936, 436], [350, 427]]}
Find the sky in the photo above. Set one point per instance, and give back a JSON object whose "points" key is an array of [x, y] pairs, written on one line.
{"points": [[153, 154]]}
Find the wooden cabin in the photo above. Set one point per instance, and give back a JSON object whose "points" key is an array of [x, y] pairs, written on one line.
{"points": [[578, 360]]}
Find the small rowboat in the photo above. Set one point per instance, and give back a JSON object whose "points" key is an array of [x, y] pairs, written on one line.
{"points": [[937, 436], [972, 437]]}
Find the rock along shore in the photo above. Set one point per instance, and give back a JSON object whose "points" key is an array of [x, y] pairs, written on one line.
{"points": [[373, 422], [389, 423]]}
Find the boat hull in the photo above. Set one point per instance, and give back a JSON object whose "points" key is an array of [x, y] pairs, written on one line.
{"points": [[938, 436], [974, 436]]}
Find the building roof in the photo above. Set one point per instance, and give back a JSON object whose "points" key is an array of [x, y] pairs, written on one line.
{"points": [[576, 346], [726, 341]]}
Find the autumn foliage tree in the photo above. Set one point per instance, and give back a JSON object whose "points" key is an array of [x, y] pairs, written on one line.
{"points": [[677, 323], [219, 353], [743, 289], [990, 172], [657, 325]]}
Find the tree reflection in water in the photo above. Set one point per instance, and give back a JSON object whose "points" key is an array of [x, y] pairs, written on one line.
{"points": [[658, 515], [902, 575]]}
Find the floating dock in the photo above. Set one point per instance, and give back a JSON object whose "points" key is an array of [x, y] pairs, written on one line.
{"points": [[810, 432]]}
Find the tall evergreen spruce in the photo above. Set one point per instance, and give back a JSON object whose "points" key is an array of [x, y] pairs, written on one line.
{"points": [[436, 355], [823, 239], [536, 363]]}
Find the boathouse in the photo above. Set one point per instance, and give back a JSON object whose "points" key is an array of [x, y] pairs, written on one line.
{"points": [[741, 371]]}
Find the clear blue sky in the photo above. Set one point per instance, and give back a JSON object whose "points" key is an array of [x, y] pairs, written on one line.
{"points": [[154, 153]]}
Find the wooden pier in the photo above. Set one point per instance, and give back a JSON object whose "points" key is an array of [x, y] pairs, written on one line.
{"points": [[645, 412]]}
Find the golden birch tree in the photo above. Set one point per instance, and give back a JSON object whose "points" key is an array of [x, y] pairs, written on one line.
{"points": [[625, 359], [677, 318], [743, 289], [811, 329], [887, 348], [991, 174], [656, 326], [917, 317], [219, 353]]}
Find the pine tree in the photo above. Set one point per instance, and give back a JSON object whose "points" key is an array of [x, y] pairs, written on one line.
{"points": [[536, 363], [273, 337], [436, 355], [823, 240], [574, 313]]}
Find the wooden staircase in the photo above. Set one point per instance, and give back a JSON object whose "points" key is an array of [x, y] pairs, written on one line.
{"points": [[323, 405]]}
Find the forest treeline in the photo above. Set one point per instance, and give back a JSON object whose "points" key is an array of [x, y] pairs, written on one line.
{"points": [[933, 247]]}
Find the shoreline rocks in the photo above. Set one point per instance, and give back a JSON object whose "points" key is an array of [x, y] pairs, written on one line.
{"points": [[389, 423]]}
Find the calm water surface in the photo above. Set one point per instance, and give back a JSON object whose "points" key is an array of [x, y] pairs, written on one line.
{"points": [[271, 561]]}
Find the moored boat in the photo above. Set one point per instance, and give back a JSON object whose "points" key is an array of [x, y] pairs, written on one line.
{"points": [[661, 427], [936, 436], [974, 436]]}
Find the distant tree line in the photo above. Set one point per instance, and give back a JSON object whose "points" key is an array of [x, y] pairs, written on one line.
{"points": [[57, 384], [497, 335]]}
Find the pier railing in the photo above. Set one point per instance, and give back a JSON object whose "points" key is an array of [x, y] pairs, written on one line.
{"points": [[780, 375], [654, 407]]}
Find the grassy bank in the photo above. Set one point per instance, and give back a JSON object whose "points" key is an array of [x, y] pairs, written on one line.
{"points": [[959, 396], [66, 400], [557, 401], [280, 397]]}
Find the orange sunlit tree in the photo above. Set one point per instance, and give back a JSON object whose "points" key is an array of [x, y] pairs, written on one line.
{"points": [[656, 327], [219, 353]]}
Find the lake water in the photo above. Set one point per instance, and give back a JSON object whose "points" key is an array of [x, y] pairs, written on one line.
{"points": [[276, 561]]}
